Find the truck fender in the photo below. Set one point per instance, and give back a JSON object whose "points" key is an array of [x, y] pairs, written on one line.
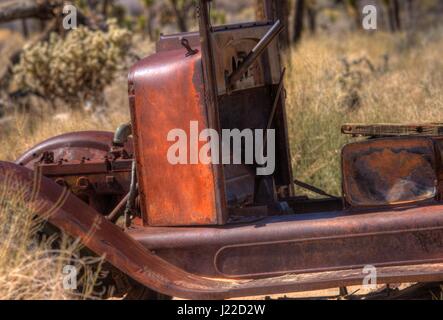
{"points": [[73, 146]]}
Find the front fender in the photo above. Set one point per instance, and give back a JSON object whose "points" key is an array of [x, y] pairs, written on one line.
{"points": [[73, 146], [68, 213]]}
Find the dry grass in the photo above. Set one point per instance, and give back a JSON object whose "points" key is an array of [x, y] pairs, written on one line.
{"points": [[28, 130], [30, 267], [409, 90]]}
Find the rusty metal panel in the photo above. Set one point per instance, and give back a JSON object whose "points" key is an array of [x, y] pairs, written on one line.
{"points": [[388, 130], [303, 243], [333, 253], [389, 171], [92, 145], [172, 41], [231, 44], [169, 94]]}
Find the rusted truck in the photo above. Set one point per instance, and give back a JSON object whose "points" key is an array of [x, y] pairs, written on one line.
{"points": [[214, 230]]}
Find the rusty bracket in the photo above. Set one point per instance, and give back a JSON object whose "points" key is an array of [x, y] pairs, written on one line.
{"points": [[185, 43]]}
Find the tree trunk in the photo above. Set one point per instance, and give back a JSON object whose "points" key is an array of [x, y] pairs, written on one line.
{"points": [[25, 28], [44, 10], [105, 8], [394, 15], [260, 13], [312, 19], [150, 15], [396, 7], [150, 25], [22, 9], [410, 8], [282, 13], [353, 9], [180, 16], [299, 13]]}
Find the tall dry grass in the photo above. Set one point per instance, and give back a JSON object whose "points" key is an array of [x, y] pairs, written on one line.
{"points": [[406, 89], [32, 265], [26, 130]]}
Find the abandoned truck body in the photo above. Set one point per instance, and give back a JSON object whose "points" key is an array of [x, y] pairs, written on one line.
{"points": [[217, 231]]}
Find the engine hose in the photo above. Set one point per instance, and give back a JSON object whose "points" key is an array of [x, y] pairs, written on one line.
{"points": [[122, 134]]}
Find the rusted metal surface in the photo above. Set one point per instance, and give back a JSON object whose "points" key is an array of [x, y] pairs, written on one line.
{"points": [[324, 280], [231, 45], [172, 42], [83, 162], [92, 145], [389, 171], [101, 184], [203, 192], [252, 57], [211, 102], [169, 95], [386, 130], [304, 243]]}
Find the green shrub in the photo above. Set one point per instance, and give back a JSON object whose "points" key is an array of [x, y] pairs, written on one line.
{"points": [[74, 69]]}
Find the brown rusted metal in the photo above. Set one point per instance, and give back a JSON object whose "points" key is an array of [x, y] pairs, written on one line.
{"points": [[77, 219], [389, 171], [386, 130], [84, 163], [168, 95], [255, 53], [73, 146], [118, 210], [306, 243]]}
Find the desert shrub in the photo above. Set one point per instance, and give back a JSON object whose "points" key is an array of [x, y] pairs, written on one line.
{"points": [[354, 75], [74, 69]]}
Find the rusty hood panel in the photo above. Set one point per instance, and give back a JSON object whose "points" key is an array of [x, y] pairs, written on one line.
{"points": [[167, 93]]}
